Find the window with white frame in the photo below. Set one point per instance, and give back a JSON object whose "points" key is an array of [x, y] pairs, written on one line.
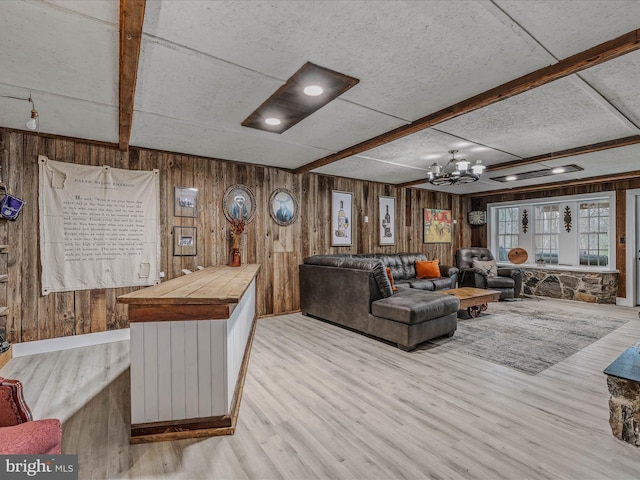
{"points": [[508, 230], [575, 230], [594, 233], [546, 226]]}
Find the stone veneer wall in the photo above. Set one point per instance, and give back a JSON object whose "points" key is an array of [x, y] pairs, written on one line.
{"points": [[593, 287]]}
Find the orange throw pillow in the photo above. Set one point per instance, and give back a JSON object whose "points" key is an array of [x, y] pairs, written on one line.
{"points": [[428, 269], [393, 287]]}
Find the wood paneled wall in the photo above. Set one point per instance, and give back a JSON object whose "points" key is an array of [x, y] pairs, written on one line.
{"points": [[478, 235], [278, 249]]}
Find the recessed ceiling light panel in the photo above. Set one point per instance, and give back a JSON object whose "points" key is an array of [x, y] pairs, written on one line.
{"points": [[272, 121], [292, 104], [538, 173]]}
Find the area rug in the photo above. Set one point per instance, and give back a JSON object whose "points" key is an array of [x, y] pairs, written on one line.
{"points": [[529, 335]]}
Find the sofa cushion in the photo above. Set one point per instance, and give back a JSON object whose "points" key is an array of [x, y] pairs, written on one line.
{"points": [[422, 284], [394, 263], [442, 283], [402, 284], [428, 269], [409, 262], [415, 306]]}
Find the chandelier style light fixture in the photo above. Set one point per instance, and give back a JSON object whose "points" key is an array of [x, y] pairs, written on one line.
{"points": [[461, 174]]}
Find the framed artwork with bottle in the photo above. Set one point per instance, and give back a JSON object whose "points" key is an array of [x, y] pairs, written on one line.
{"points": [[341, 219], [387, 220]]}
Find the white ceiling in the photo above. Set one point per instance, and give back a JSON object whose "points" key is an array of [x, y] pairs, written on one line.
{"points": [[206, 65]]}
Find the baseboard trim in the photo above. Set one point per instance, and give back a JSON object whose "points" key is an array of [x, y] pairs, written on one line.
{"points": [[66, 343], [624, 302]]}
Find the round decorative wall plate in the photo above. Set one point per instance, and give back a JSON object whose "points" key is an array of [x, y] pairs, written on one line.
{"points": [[517, 255]]}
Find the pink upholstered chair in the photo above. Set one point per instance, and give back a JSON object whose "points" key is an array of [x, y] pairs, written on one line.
{"points": [[19, 433]]}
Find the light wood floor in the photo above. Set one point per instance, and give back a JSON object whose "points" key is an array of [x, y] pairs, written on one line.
{"points": [[323, 402]]}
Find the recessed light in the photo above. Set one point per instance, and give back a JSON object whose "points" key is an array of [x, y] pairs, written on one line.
{"points": [[313, 90], [558, 170], [272, 121], [511, 178]]}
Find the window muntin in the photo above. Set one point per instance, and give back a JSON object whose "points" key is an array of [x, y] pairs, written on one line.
{"points": [[593, 225], [547, 231], [508, 230]]}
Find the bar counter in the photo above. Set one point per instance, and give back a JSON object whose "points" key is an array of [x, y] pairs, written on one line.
{"points": [[190, 343]]}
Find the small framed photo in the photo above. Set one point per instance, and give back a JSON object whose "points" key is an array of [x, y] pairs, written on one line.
{"points": [[239, 203], [341, 219], [185, 241], [185, 202], [387, 220], [437, 225], [283, 207]]}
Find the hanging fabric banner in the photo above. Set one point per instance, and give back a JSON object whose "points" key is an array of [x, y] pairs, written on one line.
{"points": [[99, 227]]}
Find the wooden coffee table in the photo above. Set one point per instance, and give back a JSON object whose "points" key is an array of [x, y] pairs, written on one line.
{"points": [[475, 300]]}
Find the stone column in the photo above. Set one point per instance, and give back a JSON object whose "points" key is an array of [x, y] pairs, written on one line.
{"points": [[624, 409]]}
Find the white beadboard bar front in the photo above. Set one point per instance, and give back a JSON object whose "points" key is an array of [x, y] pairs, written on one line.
{"points": [[190, 344]]}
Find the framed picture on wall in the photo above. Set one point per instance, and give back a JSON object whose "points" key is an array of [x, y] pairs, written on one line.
{"points": [[185, 241], [283, 207], [239, 203], [387, 220], [341, 219], [437, 225], [185, 202]]}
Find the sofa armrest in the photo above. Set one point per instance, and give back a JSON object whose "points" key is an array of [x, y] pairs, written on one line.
{"points": [[32, 438], [514, 273], [448, 271]]}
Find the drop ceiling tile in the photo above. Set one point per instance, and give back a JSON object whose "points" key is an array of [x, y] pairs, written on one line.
{"points": [[187, 85], [56, 51], [423, 148], [163, 133], [411, 61], [105, 10], [568, 27], [618, 81], [557, 116], [372, 170], [339, 125]]}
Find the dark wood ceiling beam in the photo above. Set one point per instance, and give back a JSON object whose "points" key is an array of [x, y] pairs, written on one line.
{"points": [[556, 185], [568, 66], [594, 147], [131, 19]]}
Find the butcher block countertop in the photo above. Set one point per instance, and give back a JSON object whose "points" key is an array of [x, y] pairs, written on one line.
{"points": [[217, 285]]}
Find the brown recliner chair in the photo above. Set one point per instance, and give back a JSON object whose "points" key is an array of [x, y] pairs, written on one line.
{"points": [[19, 433], [508, 280]]}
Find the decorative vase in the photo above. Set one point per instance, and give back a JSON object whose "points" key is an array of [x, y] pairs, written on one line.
{"points": [[235, 258], [235, 252]]}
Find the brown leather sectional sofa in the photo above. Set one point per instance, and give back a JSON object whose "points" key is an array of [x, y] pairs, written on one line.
{"points": [[354, 291]]}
